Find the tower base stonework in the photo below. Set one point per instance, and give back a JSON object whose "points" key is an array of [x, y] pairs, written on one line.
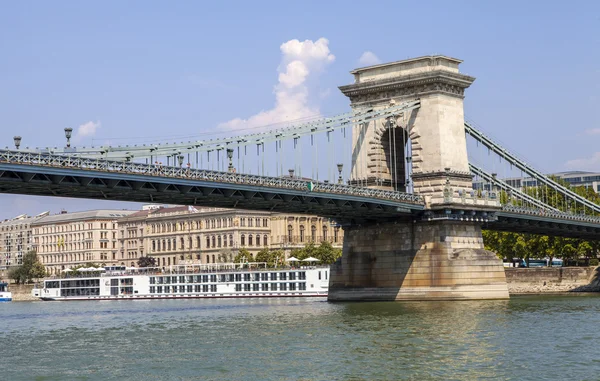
{"points": [[437, 260]]}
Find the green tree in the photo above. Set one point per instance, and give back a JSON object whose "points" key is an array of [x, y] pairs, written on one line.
{"points": [[30, 270], [266, 255], [327, 254], [243, 256], [146, 262]]}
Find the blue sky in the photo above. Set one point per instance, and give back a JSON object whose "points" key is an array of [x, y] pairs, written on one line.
{"points": [[139, 70]]}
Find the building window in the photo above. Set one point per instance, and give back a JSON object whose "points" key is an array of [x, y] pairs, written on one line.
{"points": [[313, 233], [265, 240], [243, 240], [335, 234], [231, 240], [301, 233], [249, 238], [257, 240], [324, 233]]}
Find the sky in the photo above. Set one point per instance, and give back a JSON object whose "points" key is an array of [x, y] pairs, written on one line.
{"points": [[148, 71]]}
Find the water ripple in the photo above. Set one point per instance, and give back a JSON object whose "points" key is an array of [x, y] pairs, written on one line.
{"points": [[529, 338]]}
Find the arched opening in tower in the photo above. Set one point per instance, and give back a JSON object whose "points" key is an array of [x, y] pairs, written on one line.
{"points": [[396, 146]]}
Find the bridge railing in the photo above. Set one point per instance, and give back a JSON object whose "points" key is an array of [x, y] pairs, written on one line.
{"points": [[74, 162], [550, 214]]}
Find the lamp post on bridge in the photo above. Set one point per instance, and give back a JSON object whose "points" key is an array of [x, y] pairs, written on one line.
{"points": [[17, 140], [340, 167], [230, 168], [180, 159], [68, 134]]}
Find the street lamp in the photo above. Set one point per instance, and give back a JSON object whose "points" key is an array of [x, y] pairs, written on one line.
{"points": [[180, 158], [17, 140], [291, 171], [68, 133], [230, 157], [340, 167]]}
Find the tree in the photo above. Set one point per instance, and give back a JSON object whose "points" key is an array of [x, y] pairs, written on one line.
{"points": [[265, 255], [327, 254], [243, 256], [146, 262], [30, 269], [225, 256]]}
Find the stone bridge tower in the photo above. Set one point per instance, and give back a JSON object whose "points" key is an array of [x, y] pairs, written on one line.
{"points": [[436, 133], [436, 255]]}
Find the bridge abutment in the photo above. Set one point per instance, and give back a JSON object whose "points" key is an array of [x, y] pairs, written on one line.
{"points": [[439, 260]]}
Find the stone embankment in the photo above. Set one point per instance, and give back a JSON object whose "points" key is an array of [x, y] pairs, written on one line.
{"points": [[542, 280], [21, 292]]}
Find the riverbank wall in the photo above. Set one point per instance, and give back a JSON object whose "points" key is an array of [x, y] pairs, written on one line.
{"points": [[541, 280], [21, 292]]}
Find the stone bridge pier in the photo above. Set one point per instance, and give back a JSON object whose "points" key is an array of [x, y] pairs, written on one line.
{"points": [[434, 255]]}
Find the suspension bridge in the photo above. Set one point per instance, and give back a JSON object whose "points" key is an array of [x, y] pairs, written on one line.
{"points": [[412, 182]]}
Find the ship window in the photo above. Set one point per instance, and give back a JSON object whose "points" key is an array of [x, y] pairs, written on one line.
{"points": [[238, 287], [213, 278], [181, 288], [204, 288], [197, 288], [319, 275], [325, 274], [282, 286], [238, 277], [213, 288], [246, 286], [264, 276], [292, 276], [302, 286], [255, 286], [159, 289], [292, 286], [182, 279], [302, 275], [265, 287], [152, 289], [257, 277], [282, 276], [205, 279], [189, 288], [246, 277], [273, 276], [152, 280]]}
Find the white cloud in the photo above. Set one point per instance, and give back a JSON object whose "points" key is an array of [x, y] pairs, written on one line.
{"points": [[86, 130], [592, 131], [299, 62], [368, 58], [586, 164]]}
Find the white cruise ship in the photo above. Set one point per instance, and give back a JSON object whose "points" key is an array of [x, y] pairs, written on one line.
{"points": [[253, 280]]}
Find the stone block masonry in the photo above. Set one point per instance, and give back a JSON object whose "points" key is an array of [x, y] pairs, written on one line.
{"points": [[416, 261], [543, 280]]}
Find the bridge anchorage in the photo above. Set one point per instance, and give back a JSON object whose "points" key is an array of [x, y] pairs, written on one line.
{"points": [[395, 172]]}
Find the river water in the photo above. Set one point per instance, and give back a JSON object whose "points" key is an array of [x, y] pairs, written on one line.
{"points": [[526, 338]]}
